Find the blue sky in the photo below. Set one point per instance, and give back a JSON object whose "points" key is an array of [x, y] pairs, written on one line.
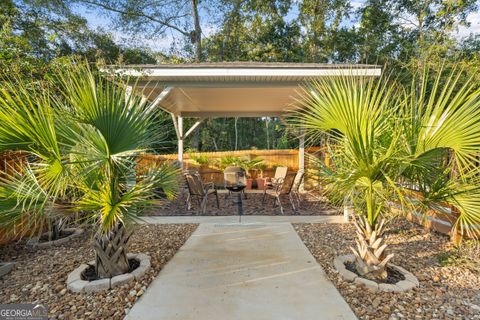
{"points": [[98, 19]]}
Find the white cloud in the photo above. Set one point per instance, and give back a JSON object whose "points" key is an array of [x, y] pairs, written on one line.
{"points": [[357, 4], [474, 19]]}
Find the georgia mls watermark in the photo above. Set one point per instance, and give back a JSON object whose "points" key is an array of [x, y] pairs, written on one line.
{"points": [[23, 312]]}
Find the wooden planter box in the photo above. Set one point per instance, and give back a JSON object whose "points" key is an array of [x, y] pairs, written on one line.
{"points": [[441, 219]]}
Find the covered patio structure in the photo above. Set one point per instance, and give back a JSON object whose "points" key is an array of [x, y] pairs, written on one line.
{"points": [[235, 89]]}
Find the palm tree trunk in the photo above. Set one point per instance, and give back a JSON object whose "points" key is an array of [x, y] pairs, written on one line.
{"points": [[111, 252], [371, 259]]}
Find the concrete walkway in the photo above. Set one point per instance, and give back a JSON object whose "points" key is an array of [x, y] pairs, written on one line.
{"points": [[242, 271], [244, 219]]}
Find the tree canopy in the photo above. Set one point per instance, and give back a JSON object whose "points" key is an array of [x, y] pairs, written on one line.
{"points": [[402, 35]]}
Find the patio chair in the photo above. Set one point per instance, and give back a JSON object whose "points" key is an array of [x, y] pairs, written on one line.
{"points": [[199, 190], [184, 186], [280, 174], [281, 188], [297, 182]]}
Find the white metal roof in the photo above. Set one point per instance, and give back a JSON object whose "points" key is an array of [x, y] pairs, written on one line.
{"points": [[233, 89]]}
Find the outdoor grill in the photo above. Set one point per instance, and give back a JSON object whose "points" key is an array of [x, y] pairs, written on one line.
{"points": [[236, 181]]}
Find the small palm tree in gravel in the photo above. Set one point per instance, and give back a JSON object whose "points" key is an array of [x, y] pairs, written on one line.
{"points": [[388, 143], [83, 134]]}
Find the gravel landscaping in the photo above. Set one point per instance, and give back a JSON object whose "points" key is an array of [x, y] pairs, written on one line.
{"points": [[251, 206], [39, 275], [445, 292]]}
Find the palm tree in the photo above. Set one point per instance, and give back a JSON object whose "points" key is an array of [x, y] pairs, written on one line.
{"points": [[83, 134], [386, 140]]}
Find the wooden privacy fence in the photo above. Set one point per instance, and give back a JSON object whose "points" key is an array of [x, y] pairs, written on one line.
{"points": [[9, 163], [211, 173], [272, 158], [440, 220]]}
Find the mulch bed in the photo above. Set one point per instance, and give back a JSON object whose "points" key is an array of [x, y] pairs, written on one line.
{"points": [[39, 275], [393, 275], [445, 292], [310, 205]]}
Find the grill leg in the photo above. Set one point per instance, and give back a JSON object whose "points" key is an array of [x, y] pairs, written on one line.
{"points": [[239, 203]]}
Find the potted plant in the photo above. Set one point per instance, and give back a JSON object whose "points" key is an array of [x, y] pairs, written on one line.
{"points": [[248, 165], [260, 179]]}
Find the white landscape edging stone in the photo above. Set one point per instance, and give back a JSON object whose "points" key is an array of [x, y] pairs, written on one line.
{"points": [[75, 283], [35, 242], [409, 283]]}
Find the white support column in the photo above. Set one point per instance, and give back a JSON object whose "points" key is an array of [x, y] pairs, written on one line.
{"points": [[180, 140], [162, 96], [178, 124], [301, 153], [192, 128], [301, 158], [128, 95]]}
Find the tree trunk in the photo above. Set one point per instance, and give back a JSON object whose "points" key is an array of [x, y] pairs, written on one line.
{"points": [[236, 134], [53, 228], [111, 252], [196, 36], [55, 223], [371, 260]]}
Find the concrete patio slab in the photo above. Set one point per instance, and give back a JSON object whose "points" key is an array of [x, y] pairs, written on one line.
{"points": [[244, 219], [242, 271]]}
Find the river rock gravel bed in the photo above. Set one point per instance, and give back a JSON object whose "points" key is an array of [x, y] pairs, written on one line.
{"points": [[39, 275], [444, 292]]}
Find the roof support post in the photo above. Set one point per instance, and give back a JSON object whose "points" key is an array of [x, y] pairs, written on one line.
{"points": [[301, 156], [192, 128], [178, 124], [180, 140], [158, 100]]}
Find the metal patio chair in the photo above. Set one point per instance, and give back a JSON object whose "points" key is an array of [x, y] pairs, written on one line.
{"points": [[297, 182], [280, 174], [281, 188], [200, 191]]}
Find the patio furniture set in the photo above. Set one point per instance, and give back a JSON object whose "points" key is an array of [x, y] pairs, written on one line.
{"points": [[283, 184]]}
